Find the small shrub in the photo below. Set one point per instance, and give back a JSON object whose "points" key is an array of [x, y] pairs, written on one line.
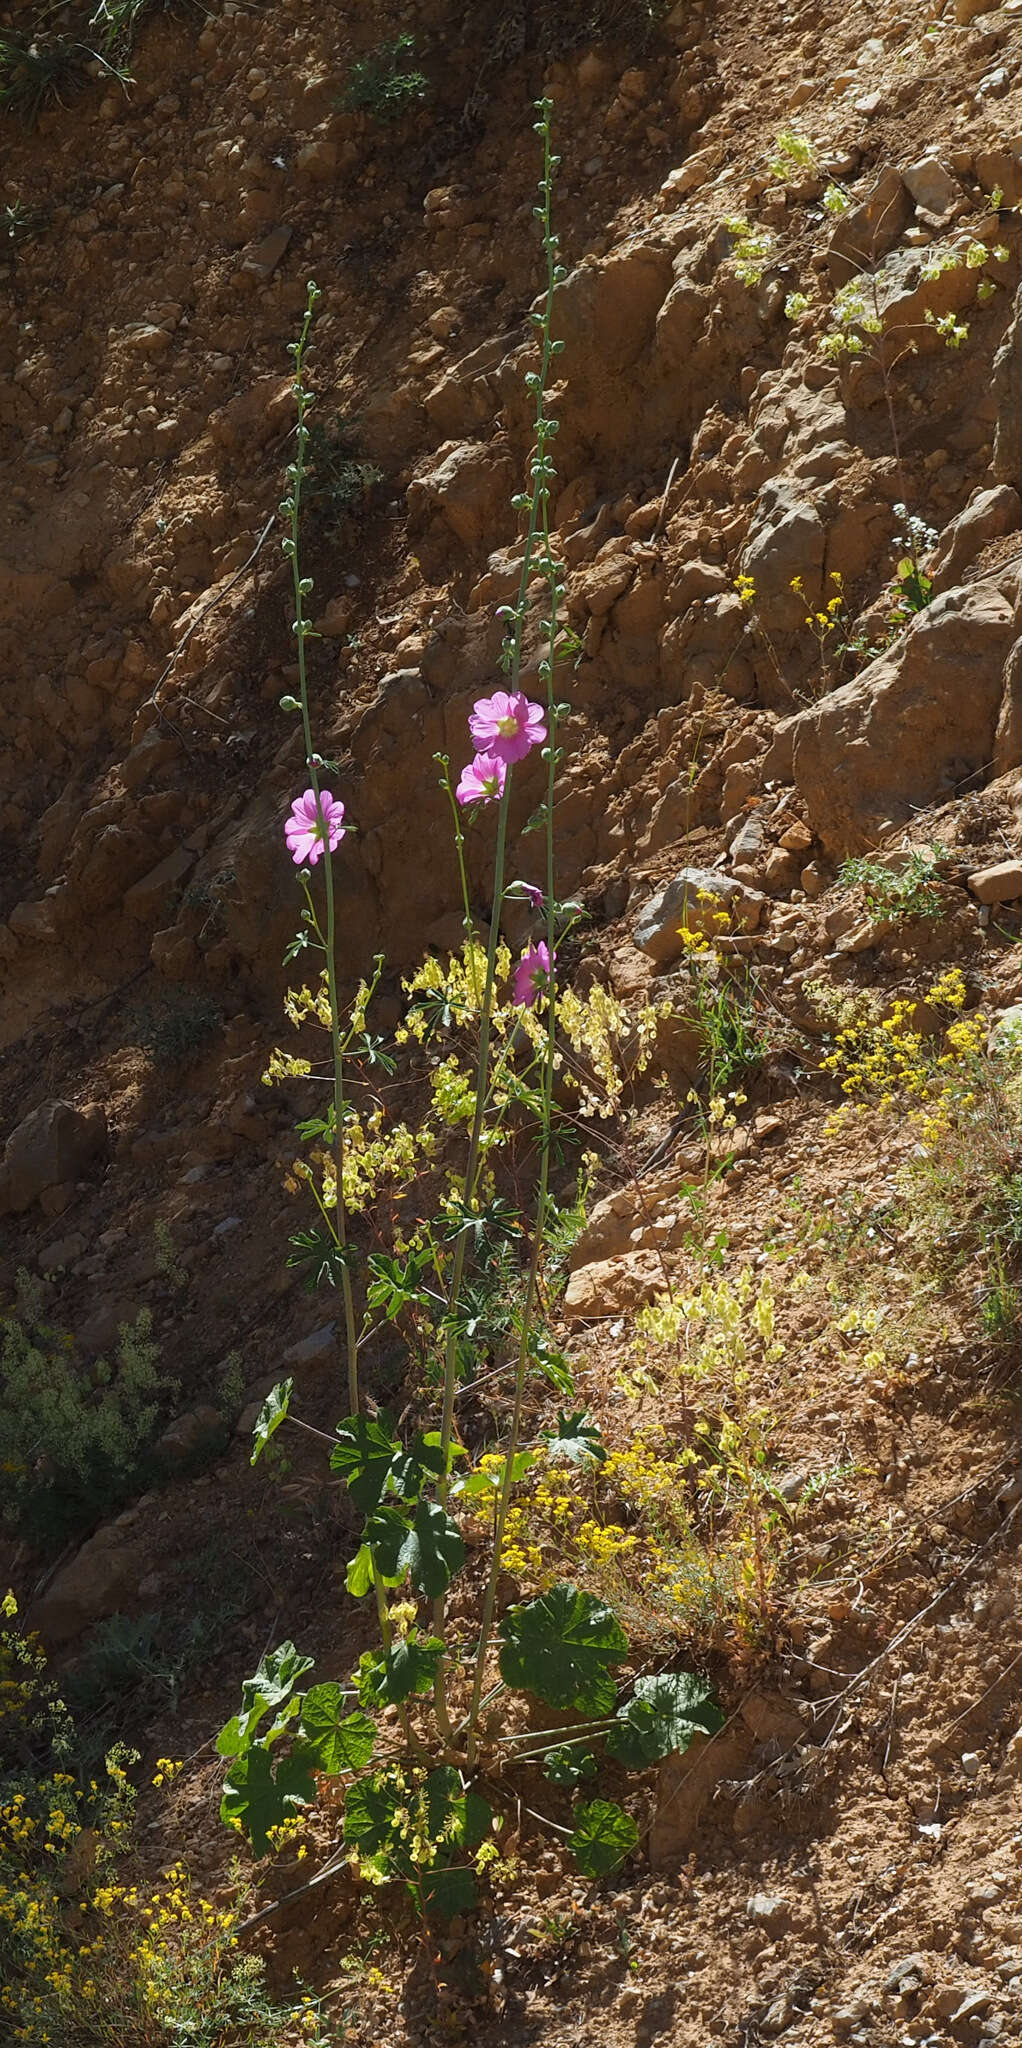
{"points": [[176, 1030], [791, 153], [72, 1444], [383, 84], [897, 895], [87, 1960], [35, 70], [339, 478]]}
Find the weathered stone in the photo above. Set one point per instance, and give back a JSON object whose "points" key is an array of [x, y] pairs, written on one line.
{"points": [[1000, 884], [1007, 384], [906, 1977], [932, 186], [606, 582], [611, 1287], [102, 1578], [63, 1252], [769, 1910], [467, 486], [262, 261], [866, 232], [914, 723], [317, 1349], [56, 1143], [704, 901], [189, 1433], [987, 516], [151, 898], [787, 541]]}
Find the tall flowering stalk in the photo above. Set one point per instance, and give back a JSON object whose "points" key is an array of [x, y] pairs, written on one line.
{"points": [[536, 978], [414, 1813], [315, 827]]}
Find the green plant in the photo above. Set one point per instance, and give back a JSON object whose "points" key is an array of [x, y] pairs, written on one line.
{"points": [[175, 1030], [86, 1959], [338, 478], [73, 1443], [753, 249], [836, 200], [898, 891], [20, 224], [384, 84], [458, 1265], [791, 152], [34, 71]]}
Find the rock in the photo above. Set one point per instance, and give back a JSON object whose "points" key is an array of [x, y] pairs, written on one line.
{"points": [[750, 844], [154, 896], [611, 1287], [62, 1253], [781, 872], [706, 901], [1001, 170], [55, 1144], [987, 516], [606, 582], [1007, 383], [787, 540], [468, 487], [262, 260], [907, 728], [685, 1783], [189, 1433], [317, 1349], [768, 1716], [932, 186], [769, 1910], [98, 1581], [906, 1977], [866, 232], [1001, 884], [966, 11], [34, 921], [971, 1761]]}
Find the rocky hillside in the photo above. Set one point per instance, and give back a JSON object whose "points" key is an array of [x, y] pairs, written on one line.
{"points": [[789, 501]]}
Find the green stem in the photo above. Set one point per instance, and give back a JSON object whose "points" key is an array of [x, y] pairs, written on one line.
{"points": [[539, 525]]}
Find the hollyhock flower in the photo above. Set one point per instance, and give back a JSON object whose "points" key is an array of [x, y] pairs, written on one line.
{"points": [[507, 725], [534, 897], [532, 974], [310, 827], [482, 781]]}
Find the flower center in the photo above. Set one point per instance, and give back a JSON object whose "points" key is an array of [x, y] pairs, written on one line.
{"points": [[507, 727]]}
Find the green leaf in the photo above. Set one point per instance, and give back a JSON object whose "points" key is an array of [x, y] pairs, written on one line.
{"points": [[451, 1814], [258, 1798], [272, 1685], [433, 1549], [604, 1835], [575, 1441], [561, 1646], [386, 1677], [568, 1766], [363, 1454], [324, 1259], [339, 1741], [270, 1416], [359, 1576], [446, 1890], [386, 1533], [552, 1363], [662, 1716], [370, 1812], [491, 1477]]}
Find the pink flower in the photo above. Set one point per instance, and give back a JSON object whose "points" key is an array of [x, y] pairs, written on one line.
{"points": [[532, 974], [534, 897], [507, 725], [483, 780], [309, 828]]}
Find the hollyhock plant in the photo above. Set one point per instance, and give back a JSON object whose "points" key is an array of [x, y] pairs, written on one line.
{"points": [[532, 974], [313, 826], [482, 781], [507, 725]]}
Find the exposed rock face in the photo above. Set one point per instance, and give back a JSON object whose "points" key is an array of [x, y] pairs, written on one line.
{"points": [[912, 725], [55, 1145], [704, 902], [1007, 380]]}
